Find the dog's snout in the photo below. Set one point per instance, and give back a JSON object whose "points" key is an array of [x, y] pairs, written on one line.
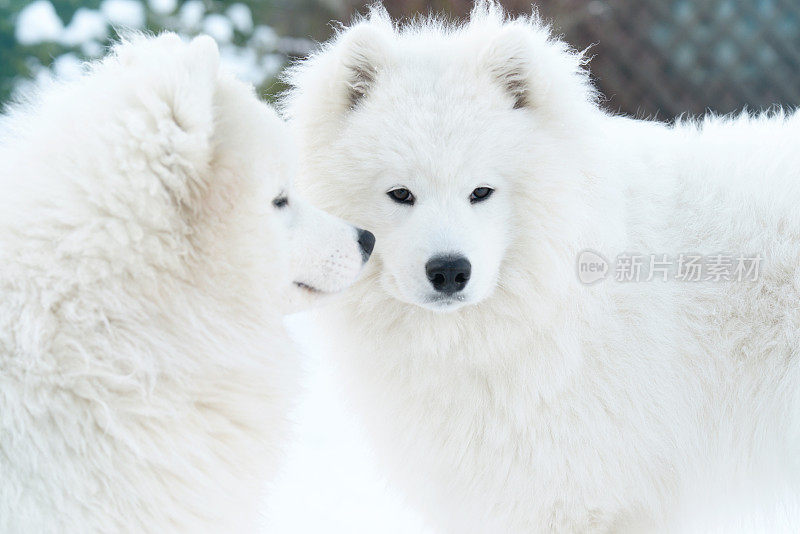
{"points": [[448, 274], [366, 240]]}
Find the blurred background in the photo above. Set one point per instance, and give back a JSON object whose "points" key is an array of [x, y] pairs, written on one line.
{"points": [[651, 58]]}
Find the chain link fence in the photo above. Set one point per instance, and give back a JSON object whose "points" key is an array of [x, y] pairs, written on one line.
{"points": [[657, 58]]}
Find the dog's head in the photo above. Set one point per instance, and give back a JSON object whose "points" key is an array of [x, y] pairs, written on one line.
{"points": [[222, 163], [431, 136]]}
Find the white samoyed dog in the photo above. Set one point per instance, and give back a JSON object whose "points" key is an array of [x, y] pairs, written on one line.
{"points": [[149, 242], [505, 392]]}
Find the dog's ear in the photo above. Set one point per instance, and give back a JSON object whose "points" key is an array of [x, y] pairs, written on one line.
{"points": [[509, 60], [174, 79], [527, 63], [174, 113], [192, 99], [342, 75], [366, 50]]}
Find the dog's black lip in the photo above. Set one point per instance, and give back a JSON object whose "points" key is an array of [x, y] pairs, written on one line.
{"points": [[312, 289]]}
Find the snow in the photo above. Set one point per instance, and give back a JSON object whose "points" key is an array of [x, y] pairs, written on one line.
{"points": [[86, 25], [241, 17], [38, 22], [124, 13], [243, 63], [219, 27], [92, 49], [191, 14], [330, 482], [67, 66], [264, 37], [271, 65], [257, 62], [163, 7]]}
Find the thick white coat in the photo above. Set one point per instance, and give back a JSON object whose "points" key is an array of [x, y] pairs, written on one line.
{"points": [[545, 404]]}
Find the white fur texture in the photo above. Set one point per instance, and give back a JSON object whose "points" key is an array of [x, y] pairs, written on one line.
{"points": [[144, 370], [544, 405]]}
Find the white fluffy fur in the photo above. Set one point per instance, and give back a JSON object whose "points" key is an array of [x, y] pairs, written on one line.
{"points": [[144, 369], [545, 405]]}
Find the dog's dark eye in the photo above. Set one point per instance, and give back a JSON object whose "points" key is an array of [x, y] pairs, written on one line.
{"points": [[480, 194], [281, 201], [401, 196]]}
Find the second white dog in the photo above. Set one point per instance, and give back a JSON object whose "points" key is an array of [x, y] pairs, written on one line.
{"points": [[505, 395]]}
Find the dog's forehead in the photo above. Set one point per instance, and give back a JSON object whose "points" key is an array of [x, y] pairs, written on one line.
{"points": [[429, 108], [437, 144], [437, 81]]}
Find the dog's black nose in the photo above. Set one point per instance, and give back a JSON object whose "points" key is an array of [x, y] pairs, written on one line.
{"points": [[448, 274], [366, 240]]}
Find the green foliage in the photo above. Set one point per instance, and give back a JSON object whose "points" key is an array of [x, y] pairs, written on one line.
{"points": [[302, 18]]}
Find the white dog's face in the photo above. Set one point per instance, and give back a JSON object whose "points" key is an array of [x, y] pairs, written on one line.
{"points": [[444, 238], [314, 253], [438, 143], [326, 254], [307, 252], [443, 224]]}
